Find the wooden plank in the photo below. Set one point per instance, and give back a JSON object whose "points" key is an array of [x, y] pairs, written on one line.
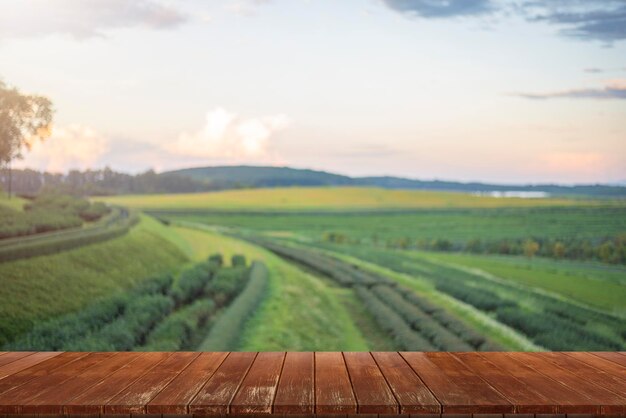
{"points": [[458, 390], [256, 392], [373, 395], [566, 400], [295, 393], [333, 390], [615, 357], [47, 364], [134, 398], [525, 398], [177, 395], [92, 400], [14, 355], [606, 366], [412, 394], [52, 400], [607, 402], [12, 400], [584, 371], [219, 391], [24, 363]]}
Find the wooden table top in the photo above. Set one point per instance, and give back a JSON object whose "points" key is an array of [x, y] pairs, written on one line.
{"points": [[312, 383]]}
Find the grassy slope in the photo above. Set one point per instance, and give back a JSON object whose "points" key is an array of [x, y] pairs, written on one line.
{"points": [[301, 312], [599, 286], [16, 203], [42, 287], [325, 198]]}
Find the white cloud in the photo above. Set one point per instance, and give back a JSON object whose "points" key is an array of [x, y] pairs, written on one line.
{"points": [[82, 18], [246, 7], [227, 135], [69, 147]]}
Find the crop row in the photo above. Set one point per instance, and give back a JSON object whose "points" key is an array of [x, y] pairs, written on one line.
{"points": [[440, 329], [160, 313], [549, 322], [391, 322], [67, 240], [49, 212], [226, 331]]}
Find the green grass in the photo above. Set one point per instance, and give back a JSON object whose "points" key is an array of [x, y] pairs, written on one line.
{"points": [[456, 225], [325, 198], [300, 313], [14, 202], [42, 287], [600, 286]]}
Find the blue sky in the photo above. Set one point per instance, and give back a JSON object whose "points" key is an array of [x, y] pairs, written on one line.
{"points": [[503, 91]]}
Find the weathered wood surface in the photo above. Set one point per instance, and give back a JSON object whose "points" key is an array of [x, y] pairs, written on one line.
{"points": [[368, 384]]}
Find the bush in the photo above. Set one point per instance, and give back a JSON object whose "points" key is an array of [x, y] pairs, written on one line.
{"points": [[238, 260], [191, 283], [226, 284], [226, 331], [405, 337], [439, 336], [180, 330]]}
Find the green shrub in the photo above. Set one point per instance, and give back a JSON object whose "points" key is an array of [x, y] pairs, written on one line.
{"points": [[238, 260], [225, 333], [180, 330]]}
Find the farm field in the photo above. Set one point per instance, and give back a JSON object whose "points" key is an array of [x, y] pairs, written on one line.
{"points": [[519, 302], [325, 198], [340, 277]]}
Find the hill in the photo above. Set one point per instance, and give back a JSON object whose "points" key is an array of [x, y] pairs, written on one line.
{"points": [[225, 177]]}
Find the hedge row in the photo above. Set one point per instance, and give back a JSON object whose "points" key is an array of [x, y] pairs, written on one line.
{"points": [[53, 335], [439, 336], [226, 331], [404, 336], [556, 333], [68, 240], [180, 330], [343, 273], [483, 299], [49, 212]]}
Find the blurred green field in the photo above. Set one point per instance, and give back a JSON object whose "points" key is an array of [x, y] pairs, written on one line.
{"points": [[327, 198], [42, 287]]}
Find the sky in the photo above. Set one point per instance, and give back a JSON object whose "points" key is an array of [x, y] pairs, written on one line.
{"points": [[515, 91]]}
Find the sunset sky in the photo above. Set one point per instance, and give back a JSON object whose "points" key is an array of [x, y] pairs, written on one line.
{"points": [[501, 91]]}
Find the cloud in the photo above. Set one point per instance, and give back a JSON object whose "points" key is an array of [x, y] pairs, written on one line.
{"points": [[615, 89], [603, 20], [594, 70], [69, 147], [246, 8], [439, 8], [83, 18], [226, 135]]}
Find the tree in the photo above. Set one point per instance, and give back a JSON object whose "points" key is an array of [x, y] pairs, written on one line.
{"points": [[530, 248], [24, 119]]}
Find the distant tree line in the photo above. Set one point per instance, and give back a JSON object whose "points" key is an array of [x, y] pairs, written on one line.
{"points": [[607, 250], [103, 182]]}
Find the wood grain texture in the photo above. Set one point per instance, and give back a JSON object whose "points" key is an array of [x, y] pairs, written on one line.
{"points": [[134, 398], [295, 393], [24, 362], [333, 384], [333, 389], [175, 398], [566, 399], [52, 400], [70, 365], [257, 390], [412, 394], [373, 395], [618, 358], [608, 402], [215, 397], [94, 399]]}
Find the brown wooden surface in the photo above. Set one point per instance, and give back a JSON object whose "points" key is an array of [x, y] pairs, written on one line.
{"points": [[342, 384]]}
